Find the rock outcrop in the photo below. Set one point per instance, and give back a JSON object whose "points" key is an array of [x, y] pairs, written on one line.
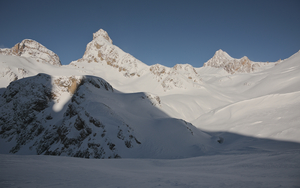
{"points": [[179, 76]]}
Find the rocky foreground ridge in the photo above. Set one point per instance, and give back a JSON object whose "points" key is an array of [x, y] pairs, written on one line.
{"points": [[83, 116]]}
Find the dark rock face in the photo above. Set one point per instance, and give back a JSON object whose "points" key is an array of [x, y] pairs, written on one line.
{"points": [[22, 116]]}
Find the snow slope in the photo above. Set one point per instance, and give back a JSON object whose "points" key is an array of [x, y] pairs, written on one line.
{"points": [[232, 171], [270, 108]]}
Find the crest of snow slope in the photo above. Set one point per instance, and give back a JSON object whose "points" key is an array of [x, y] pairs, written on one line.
{"points": [[222, 60], [85, 117], [34, 50], [270, 108]]}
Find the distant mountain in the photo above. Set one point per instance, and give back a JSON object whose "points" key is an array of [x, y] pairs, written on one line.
{"points": [[101, 50], [32, 49], [26, 51], [244, 65]]}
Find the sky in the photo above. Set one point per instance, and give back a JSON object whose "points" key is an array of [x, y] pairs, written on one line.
{"points": [[167, 32]]}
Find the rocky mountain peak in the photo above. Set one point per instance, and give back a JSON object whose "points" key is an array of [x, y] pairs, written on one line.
{"points": [[220, 54], [244, 65], [102, 33], [101, 50], [32, 49]]}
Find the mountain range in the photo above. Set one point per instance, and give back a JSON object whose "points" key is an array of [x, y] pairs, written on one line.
{"points": [[108, 104]]}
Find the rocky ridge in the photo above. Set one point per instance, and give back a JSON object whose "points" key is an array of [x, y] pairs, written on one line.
{"points": [[101, 50], [179, 76], [244, 65]]}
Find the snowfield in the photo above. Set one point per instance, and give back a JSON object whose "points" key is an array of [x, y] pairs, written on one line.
{"points": [[231, 123], [279, 169]]}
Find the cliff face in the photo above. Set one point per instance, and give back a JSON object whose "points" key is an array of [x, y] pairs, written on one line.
{"points": [[32, 49]]}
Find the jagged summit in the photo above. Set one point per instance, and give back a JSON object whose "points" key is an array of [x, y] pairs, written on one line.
{"points": [[102, 33], [101, 50], [32, 49]]}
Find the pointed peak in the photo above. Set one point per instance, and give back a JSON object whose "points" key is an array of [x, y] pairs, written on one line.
{"points": [[222, 54], [220, 51], [35, 50], [102, 33]]}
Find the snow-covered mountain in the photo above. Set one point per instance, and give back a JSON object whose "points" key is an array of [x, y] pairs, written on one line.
{"points": [[109, 104], [244, 65], [34, 50], [102, 52], [83, 116], [12, 69]]}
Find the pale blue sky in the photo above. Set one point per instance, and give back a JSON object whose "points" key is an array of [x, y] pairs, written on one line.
{"points": [[158, 31]]}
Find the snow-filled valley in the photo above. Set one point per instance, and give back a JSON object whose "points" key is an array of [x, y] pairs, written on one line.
{"points": [[230, 123]]}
